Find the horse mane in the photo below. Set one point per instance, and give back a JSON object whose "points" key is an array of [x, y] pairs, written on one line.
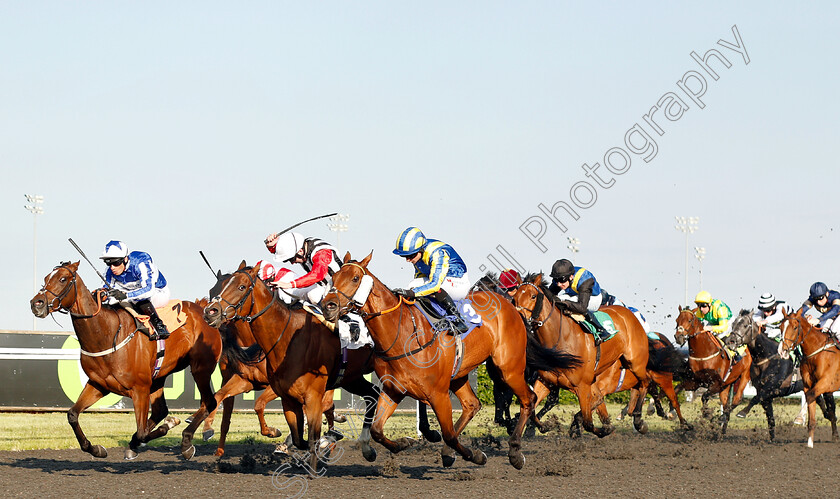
{"points": [[744, 312], [490, 282]]}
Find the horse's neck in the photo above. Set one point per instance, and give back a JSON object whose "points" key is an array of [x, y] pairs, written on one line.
{"points": [[559, 328], [703, 342], [762, 347], [271, 330], [96, 330], [385, 328], [812, 338]]}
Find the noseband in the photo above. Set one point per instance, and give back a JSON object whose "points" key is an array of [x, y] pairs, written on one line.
{"points": [[235, 309], [538, 305], [58, 298]]}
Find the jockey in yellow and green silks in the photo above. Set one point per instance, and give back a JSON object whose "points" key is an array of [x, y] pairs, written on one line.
{"points": [[715, 315]]}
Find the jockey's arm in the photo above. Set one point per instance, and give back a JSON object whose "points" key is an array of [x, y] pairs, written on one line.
{"points": [[320, 268], [437, 274], [148, 276], [831, 314], [584, 292]]}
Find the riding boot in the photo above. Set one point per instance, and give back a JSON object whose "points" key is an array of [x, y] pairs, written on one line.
{"points": [[601, 334], [448, 305], [146, 307]]}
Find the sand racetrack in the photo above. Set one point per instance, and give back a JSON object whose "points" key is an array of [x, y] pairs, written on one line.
{"points": [[698, 463]]}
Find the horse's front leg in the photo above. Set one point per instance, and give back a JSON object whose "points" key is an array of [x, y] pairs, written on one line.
{"points": [[90, 394], [140, 399], [386, 404]]}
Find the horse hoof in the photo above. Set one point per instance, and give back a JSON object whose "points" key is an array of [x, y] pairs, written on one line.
{"points": [[340, 418], [671, 415], [741, 415], [433, 436], [281, 450], [207, 435], [334, 434], [574, 433], [219, 452], [130, 455], [98, 451], [188, 420], [273, 433], [172, 421], [479, 458], [369, 454], [517, 460], [642, 428], [189, 452], [448, 461], [406, 442]]}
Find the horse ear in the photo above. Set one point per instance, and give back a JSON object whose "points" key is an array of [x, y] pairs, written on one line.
{"points": [[75, 266], [219, 274], [242, 265], [347, 257], [538, 279], [364, 263]]}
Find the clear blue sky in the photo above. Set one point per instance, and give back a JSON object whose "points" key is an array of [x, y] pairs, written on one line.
{"points": [[187, 126]]}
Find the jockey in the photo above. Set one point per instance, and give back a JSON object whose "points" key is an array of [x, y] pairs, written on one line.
{"points": [[715, 315], [579, 292], [769, 314], [827, 303], [134, 278], [439, 272], [509, 280], [320, 261]]}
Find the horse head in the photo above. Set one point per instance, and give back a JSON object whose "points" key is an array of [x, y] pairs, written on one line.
{"points": [[744, 330], [58, 292], [229, 298], [529, 297], [794, 329], [688, 325], [346, 282]]}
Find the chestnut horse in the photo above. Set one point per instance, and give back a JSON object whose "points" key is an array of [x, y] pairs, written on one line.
{"points": [[820, 368], [118, 360], [628, 349], [711, 364], [303, 356], [414, 359]]}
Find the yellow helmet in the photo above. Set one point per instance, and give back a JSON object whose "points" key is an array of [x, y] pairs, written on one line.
{"points": [[703, 297]]}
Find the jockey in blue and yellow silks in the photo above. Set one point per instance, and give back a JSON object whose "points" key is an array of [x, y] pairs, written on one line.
{"points": [[439, 272]]}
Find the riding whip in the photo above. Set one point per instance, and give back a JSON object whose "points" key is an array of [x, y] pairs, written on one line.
{"points": [[86, 259], [208, 263], [301, 223]]}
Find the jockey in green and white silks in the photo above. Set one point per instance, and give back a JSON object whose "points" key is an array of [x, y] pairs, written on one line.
{"points": [[770, 313], [439, 271]]}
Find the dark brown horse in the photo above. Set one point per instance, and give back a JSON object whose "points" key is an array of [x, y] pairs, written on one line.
{"points": [[118, 360], [304, 357], [554, 329], [712, 366], [414, 360], [820, 368]]}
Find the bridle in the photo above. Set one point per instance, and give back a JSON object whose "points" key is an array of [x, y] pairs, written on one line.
{"points": [[56, 301], [235, 309], [353, 306], [535, 312], [682, 330]]}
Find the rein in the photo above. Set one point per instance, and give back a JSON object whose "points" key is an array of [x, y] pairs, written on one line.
{"points": [[682, 330], [537, 310]]}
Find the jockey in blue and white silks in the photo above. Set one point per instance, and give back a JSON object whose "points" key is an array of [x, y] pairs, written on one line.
{"points": [[134, 278], [827, 303], [439, 271]]}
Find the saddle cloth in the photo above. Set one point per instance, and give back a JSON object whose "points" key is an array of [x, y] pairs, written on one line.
{"points": [[603, 318], [436, 316], [172, 315]]}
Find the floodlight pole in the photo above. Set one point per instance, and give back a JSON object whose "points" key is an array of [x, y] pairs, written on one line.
{"points": [[35, 207], [687, 225]]}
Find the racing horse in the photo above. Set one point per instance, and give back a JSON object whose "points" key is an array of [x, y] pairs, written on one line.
{"points": [[304, 357], [712, 366], [554, 329], [770, 373], [118, 360], [413, 359], [820, 369]]}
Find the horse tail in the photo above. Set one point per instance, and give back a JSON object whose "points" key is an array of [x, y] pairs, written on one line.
{"points": [[540, 358], [663, 357], [235, 354]]}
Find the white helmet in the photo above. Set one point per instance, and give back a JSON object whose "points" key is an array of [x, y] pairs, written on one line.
{"points": [[115, 249], [767, 301], [288, 245]]}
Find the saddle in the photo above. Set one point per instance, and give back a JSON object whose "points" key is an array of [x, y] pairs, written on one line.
{"points": [[172, 315], [605, 321], [438, 319]]}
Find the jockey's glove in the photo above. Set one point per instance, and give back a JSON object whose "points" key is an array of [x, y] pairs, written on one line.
{"points": [[116, 294], [408, 293]]}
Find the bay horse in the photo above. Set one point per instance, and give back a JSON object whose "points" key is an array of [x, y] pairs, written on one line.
{"points": [[820, 367], [413, 359], [304, 358], [628, 349], [711, 365], [118, 360]]}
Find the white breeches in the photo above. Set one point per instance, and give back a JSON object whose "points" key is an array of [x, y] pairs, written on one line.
{"points": [[456, 287]]}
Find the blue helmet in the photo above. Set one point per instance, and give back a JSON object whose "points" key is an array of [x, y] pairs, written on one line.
{"points": [[818, 289], [411, 241]]}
